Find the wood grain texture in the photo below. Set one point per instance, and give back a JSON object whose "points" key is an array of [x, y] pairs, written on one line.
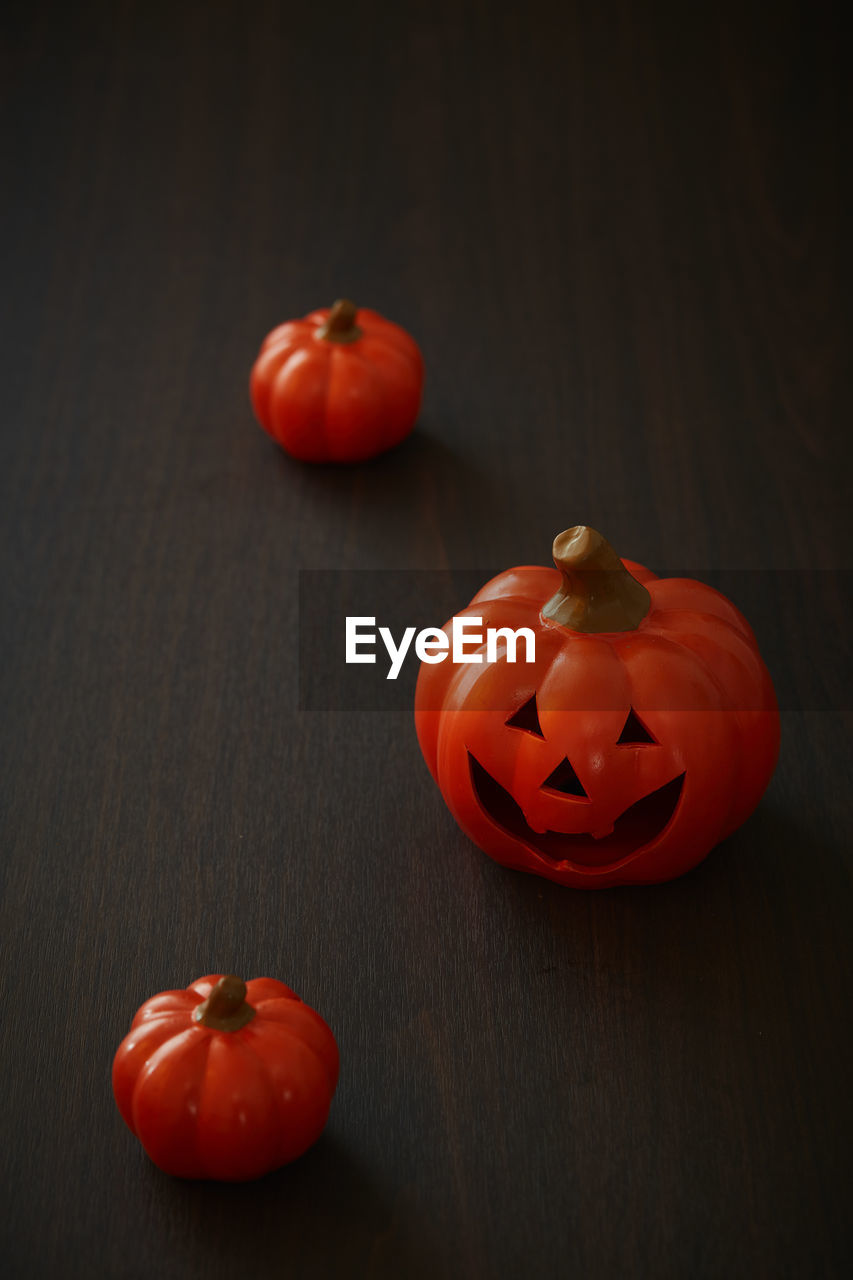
{"points": [[618, 237]]}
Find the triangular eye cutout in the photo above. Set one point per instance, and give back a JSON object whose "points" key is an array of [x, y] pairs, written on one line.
{"points": [[527, 717], [634, 732], [566, 780]]}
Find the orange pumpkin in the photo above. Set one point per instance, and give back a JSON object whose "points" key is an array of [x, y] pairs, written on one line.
{"points": [[341, 385], [645, 731]]}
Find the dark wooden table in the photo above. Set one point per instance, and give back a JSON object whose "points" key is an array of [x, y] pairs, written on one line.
{"points": [[617, 236]]}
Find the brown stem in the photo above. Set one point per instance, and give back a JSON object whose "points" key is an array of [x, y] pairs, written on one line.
{"points": [[597, 592], [225, 1009], [341, 325]]}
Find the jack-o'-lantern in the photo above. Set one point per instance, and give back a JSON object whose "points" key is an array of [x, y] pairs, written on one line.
{"points": [[644, 731]]}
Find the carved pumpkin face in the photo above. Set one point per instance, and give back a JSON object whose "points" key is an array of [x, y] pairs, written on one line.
{"points": [[567, 824], [617, 757]]}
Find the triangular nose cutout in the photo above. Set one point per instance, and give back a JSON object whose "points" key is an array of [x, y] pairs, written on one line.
{"points": [[527, 717], [565, 779], [634, 732]]}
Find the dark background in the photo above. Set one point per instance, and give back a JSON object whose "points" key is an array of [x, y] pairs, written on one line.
{"points": [[617, 233]]}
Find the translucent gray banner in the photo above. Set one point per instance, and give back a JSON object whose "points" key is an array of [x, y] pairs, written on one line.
{"points": [[802, 623]]}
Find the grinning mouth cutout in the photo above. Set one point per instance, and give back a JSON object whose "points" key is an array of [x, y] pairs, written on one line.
{"points": [[633, 830]]}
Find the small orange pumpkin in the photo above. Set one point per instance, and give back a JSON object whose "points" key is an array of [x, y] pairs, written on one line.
{"points": [[341, 385], [227, 1079]]}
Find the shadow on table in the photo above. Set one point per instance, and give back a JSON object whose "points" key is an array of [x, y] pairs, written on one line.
{"points": [[770, 888], [322, 1215], [424, 476]]}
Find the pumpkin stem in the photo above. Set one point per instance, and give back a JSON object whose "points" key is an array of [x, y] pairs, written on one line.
{"points": [[225, 1009], [597, 592], [341, 325]]}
